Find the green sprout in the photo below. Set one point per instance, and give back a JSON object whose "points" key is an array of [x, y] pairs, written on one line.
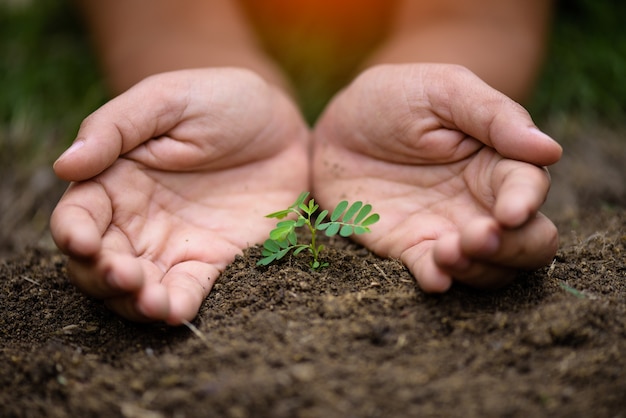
{"points": [[345, 220]]}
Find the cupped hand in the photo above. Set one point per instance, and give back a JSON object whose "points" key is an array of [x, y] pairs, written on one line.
{"points": [[171, 180], [455, 169]]}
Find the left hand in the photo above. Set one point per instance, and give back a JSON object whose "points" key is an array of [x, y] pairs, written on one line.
{"points": [[454, 168]]}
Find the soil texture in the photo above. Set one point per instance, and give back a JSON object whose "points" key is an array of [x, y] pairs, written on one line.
{"points": [[355, 339]]}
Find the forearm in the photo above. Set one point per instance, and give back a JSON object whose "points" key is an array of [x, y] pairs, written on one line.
{"points": [[502, 41], [138, 38]]}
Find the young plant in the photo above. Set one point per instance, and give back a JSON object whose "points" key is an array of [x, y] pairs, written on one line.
{"points": [[344, 220]]}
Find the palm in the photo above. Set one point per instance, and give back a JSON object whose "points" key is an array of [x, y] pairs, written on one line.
{"points": [[169, 219], [187, 194], [440, 192]]}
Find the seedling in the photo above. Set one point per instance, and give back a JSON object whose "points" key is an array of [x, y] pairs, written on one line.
{"points": [[345, 220]]}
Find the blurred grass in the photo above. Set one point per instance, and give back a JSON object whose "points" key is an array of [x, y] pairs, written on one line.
{"points": [[585, 73], [49, 79]]}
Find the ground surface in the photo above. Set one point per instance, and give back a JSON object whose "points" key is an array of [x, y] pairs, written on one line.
{"points": [[356, 339]]}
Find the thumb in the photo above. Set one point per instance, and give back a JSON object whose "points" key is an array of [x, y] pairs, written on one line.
{"points": [[489, 116], [145, 111]]}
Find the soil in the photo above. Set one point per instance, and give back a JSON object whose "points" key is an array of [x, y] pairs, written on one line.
{"points": [[355, 339]]}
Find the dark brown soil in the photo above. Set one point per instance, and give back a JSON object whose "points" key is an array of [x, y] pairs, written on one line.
{"points": [[356, 339]]}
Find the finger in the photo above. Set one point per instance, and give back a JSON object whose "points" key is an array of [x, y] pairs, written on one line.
{"points": [[531, 246], [174, 299], [450, 258], [520, 191], [188, 284], [78, 222], [420, 261], [141, 113], [482, 246], [159, 108], [489, 116], [110, 275], [150, 304], [483, 275]]}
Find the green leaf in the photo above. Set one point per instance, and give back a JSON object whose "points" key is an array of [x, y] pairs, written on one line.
{"points": [[280, 214], [282, 253], [267, 260], [291, 209], [263, 262], [283, 243], [352, 210], [572, 290], [300, 249], [370, 220], [283, 238], [320, 218], [292, 237], [361, 229], [282, 229], [365, 210], [271, 245], [289, 223], [346, 230], [312, 207], [323, 226], [278, 234], [300, 200], [316, 265], [339, 209], [332, 229]]}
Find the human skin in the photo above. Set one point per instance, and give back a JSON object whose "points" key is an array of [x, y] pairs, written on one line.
{"points": [[503, 42], [458, 183], [170, 178], [164, 198]]}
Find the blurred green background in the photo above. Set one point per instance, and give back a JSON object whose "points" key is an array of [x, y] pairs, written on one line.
{"points": [[49, 79]]}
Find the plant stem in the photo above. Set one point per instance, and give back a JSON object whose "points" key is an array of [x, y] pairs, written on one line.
{"points": [[313, 243]]}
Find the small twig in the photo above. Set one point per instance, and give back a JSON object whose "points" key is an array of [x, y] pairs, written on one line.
{"points": [[593, 237], [382, 273], [33, 281], [196, 331], [551, 269]]}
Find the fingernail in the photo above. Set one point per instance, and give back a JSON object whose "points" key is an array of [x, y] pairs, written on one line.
{"points": [[536, 130], [75, 147]]}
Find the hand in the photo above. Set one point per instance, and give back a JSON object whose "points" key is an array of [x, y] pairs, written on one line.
{"points": [[172, 179], [453, 167]]}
